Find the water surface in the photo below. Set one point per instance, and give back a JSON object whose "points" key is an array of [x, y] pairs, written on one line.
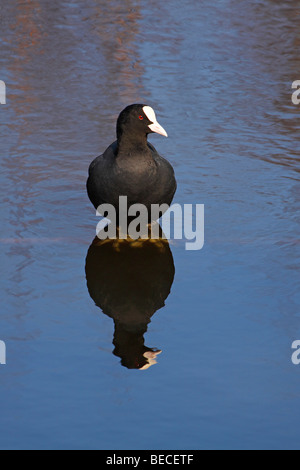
{"points": [[219, 75]]}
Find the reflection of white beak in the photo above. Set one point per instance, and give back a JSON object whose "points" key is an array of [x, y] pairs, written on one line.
{"points": [[151, 356], [155, 127]]}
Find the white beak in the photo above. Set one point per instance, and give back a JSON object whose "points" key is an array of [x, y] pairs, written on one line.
{"points": [[155, 127]]}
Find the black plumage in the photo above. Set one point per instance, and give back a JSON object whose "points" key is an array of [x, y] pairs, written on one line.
{"points": [[131, 166]]}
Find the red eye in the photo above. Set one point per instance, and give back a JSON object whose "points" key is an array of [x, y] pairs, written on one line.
{"points": [[141, 118]]}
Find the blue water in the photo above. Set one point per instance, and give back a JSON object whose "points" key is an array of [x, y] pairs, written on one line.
{"points": [[219, 76]]}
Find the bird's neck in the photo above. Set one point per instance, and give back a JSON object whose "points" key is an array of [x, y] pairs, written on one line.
{"points": [[128, 143]]}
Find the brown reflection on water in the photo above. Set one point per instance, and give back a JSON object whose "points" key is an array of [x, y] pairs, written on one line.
{"points": [[25, 37], [118, 29], [269, 36]]}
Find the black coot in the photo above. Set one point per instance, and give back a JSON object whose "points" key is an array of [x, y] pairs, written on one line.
{"points": [[131, 166]]}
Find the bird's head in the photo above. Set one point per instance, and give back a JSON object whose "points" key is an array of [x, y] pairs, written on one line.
{"points": [[139, 119]]}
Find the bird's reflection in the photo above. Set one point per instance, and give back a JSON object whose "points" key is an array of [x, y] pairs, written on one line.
{"points": [[130, 280]]}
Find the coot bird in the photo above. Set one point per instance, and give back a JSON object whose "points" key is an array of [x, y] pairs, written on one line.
{"points": [[131, 166]]}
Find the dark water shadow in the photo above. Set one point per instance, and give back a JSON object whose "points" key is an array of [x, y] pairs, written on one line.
{"points": [[130, 281]]}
